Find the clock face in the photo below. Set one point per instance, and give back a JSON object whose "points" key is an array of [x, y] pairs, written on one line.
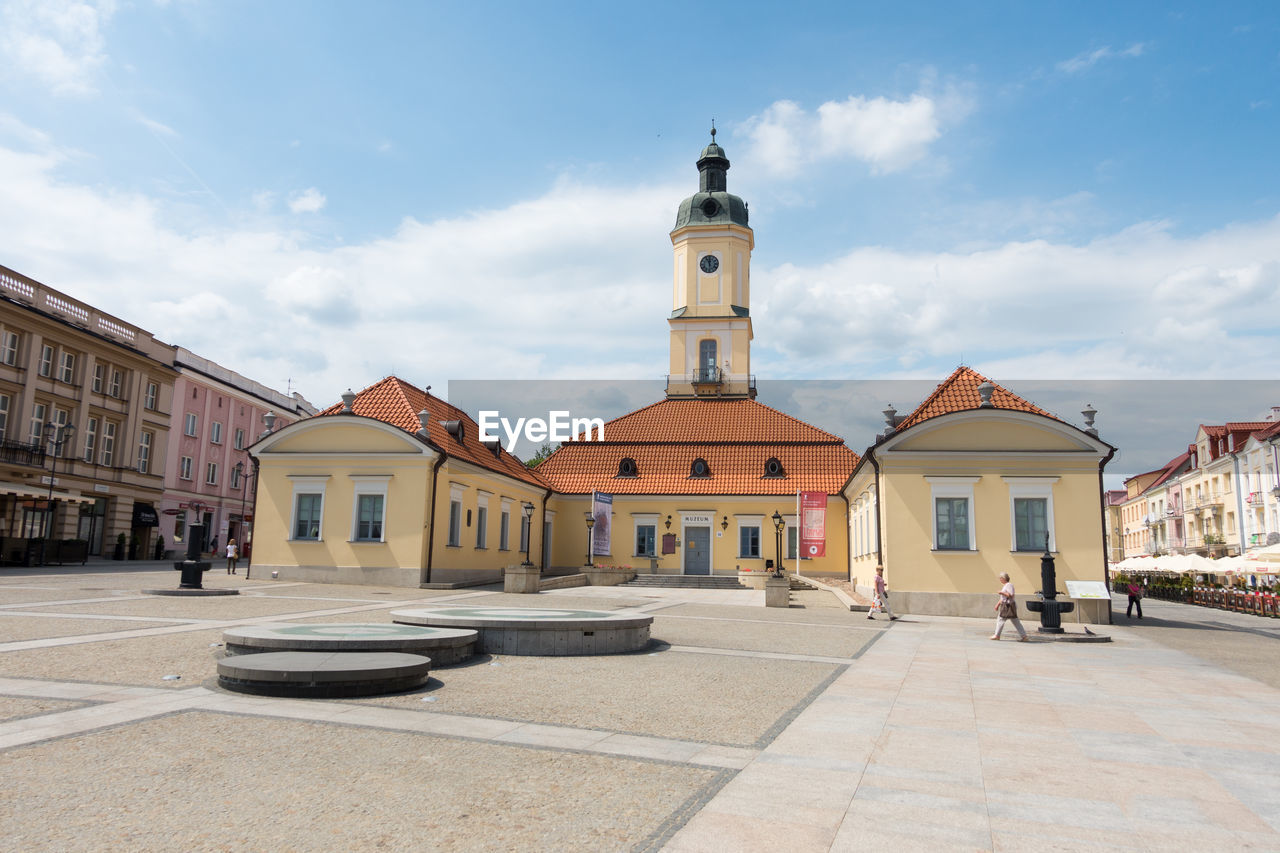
{"points": [[709, 264]]}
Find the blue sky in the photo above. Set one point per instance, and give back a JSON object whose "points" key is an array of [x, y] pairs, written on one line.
{"points": [[331, 192]]}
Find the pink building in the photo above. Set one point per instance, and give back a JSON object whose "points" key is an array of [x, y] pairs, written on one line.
{"points": [[209, 477]]}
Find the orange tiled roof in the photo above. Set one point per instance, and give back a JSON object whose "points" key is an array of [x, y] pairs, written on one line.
{"points": [[396, 402], [735, 438], [959, 392]]}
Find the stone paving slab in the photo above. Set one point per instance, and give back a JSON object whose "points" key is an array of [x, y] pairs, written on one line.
{"points": [[16, 707], [828, 640], [23, 626], [142, 661], [366, 790]]}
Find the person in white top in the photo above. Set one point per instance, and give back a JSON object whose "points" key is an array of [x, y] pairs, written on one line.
{"points": [[882, 596], [1007, 610], [233, 554]]}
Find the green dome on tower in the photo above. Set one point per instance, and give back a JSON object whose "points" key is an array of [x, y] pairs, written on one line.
{"points": [[712, 204]]}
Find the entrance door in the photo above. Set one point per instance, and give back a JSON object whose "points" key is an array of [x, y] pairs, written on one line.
{"points": [[697, 550]]}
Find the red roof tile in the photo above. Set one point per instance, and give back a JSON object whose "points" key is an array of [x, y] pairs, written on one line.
{"points": [[396, 402], [959, 392], [735, 438]]}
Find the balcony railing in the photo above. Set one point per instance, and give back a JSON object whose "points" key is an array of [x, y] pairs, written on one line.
{"points": [[1256, 498], [20, 453], [711, 376]]}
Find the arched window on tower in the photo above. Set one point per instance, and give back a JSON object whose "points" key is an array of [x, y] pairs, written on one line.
{"points": [[708, 371]]}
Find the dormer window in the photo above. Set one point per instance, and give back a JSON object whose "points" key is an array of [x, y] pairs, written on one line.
{"points": [[627, 468], [699, 469], [773, 468]]}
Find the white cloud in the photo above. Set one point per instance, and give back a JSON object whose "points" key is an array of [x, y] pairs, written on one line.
{"points": [[309, 200], [1089, 58], [158, 128], [57, 42], [1135, 304], [885, 134]]}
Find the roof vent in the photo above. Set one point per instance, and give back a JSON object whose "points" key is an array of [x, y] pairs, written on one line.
{"points": [[348, 400], [1089, 413], [773, 468], [455, 429], [699, 468], [985, 391], [424, 421], [627, 468], [494, 446]]}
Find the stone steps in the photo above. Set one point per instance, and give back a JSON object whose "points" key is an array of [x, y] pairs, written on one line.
{"points": [[685, 582]]}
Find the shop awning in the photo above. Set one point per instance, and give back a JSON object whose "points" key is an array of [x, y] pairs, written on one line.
{"points": [[42, 493], [144, 515]]}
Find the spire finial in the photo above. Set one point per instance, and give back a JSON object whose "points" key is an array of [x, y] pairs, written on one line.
{"points": [[713, 130]]}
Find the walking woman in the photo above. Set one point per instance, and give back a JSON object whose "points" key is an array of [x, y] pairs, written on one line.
{"points": [[233, 554], [1007, 610]]}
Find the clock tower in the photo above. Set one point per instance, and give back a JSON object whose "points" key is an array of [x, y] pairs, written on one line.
{"points": [[710, 318]]}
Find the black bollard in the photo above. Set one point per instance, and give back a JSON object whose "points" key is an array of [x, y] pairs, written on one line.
{"points": [[1049, 608], [193, 567]]}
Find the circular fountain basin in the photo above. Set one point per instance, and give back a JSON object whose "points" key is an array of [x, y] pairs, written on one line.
{"points": [[538, 631], [445, 646], [323, 675]]}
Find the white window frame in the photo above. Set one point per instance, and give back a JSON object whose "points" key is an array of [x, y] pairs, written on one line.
{"points": [[211, 473], [185, 465], [235, 478], [39, 411], [99, 373], [456, 492], [215, 432], [67, 367], [1031, 487], [115, 384], [368, 485], [9, 352], [952, 487], [153, 396], [239, 439], [45, 367], [190, 424], [504, 526], [90, 439], [744, 522], [482, 519], [108, 456], [645, 519], [144, 451], [4, 415], [307, 485]]}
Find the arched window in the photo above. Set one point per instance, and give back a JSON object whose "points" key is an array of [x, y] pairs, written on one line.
{"points": [[699, 468], [707, 369], [773, 468], [627, 468]]}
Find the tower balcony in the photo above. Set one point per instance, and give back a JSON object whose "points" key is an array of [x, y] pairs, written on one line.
{"points": [[711, 382]]}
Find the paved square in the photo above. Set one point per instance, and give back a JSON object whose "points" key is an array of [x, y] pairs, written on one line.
{"points": [[740, 728]]}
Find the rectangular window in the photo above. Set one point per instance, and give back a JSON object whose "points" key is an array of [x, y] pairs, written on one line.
{"points": [[115, 383], [1030, 523], [4, 416], [67, 367], [37, 423], [749, 540], [524, 534], [108, 443], [646, 539], [952, 523], [482, 532], [235, 477], [211, 473], [504, 531], [60, 417], [9, 349], [179, 525], [99, 371], [90, 439], [306, 514], [215, 432], [369, 518], [153, 396], [144, 452], [184, 468], [189, 424], [793, 541], [239, 439], [455, 523], [46, 361]]}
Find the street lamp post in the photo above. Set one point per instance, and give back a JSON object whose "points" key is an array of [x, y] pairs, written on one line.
{"points": [[58, 436], [779, 524], [245, 549], [527, 509], [591, 523]]}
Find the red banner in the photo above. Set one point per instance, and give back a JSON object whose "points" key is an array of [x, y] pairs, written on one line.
{"points": [[813, 524]]}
